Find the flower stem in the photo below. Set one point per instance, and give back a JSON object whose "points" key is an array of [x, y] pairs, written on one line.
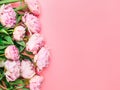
{"points": [[11, 30], [4, 88], [8, 1], [2, 54], [3, 83]]}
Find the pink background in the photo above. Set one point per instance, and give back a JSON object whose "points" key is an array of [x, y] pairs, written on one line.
{"points": [[84, 38]]}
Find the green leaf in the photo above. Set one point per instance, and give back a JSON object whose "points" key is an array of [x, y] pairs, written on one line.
{"points": [[10, 31], [30, 53], [23, 7], [1, 73], [8, 1], [2, 51], [26, 57], [9, 87], [5, 42], [25, 89], [21, 48], [1, 40], [22, 43], [19, 18], [19, 87], [2, 47], [3, 31], [18, 84], [18, 81], [2, 58], [8, 39]]}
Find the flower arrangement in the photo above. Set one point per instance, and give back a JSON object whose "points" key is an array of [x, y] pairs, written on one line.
{"points": [[23, 54]]}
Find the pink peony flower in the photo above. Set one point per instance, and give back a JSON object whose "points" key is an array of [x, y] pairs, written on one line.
{"points": [[27, 69], [35, 82], [42, 58], [32, 23], [7, 16], [11, 52], [34, 6], [19, 33], [12, 70], [34, 43]]}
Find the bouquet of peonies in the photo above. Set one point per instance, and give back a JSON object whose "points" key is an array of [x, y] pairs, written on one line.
{"points": [[23, 54]]}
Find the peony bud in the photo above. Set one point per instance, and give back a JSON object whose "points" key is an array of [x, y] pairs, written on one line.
{"points": [[19, 33], [7, 16], [34, 7], [12, 70], [35, 82], [42, 58], [34, 43], [11, 52], [32, 23], [27, 69]]}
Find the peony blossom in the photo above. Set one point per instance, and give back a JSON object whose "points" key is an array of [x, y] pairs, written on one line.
{"points": [[12, 70], [19, 33], [7, 16], [32, 23], [34, 6], [34, 43], [35, 82], [42, 58], [27, 69], [11, 52]]}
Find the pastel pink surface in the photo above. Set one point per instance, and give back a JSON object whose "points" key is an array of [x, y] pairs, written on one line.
{"points": [[84, 38]]}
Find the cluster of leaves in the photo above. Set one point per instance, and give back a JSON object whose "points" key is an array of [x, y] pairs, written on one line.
{"points": [[19, 84], [6, 39]]}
